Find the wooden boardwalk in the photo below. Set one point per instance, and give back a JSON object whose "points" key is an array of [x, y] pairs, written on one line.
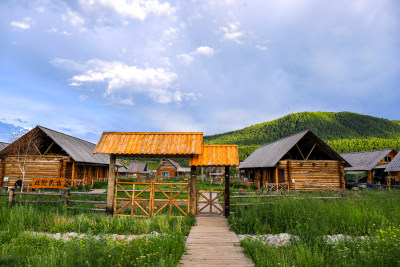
{"points": [[210, 243]]}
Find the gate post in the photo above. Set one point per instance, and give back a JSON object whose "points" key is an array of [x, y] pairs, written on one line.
{"points": [[193, 190], [111, 185], [227, 194]]}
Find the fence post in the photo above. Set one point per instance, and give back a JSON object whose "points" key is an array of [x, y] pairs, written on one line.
{"points": [[193, 190], [111, 186], [38, 198], [227, 192], [67, 196], [11, 195]]}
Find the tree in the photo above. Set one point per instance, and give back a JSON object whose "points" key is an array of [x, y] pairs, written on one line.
{"points": [[24, 144]]}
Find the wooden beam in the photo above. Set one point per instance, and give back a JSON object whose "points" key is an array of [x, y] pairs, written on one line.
{"points": [[227, 192], [111, 186], [300, 152], [73, 174], [276, 178], [193, 190], [311, 151], [369, 177], [37, 148], [47, 150]]}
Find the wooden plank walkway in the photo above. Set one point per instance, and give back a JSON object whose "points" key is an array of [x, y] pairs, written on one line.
{"points": [[210, 243]]}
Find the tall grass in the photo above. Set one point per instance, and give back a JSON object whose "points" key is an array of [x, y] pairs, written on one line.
{"points": [[351, 215], [55, 218], [375, 251], [18, 248], [24, 250]]}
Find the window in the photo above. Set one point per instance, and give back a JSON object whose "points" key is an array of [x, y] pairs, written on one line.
{"points": [[388, 159], [165, 174]]}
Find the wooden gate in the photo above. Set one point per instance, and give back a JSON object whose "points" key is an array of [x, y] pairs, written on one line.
{"points": [[150, 199], [208, 202]]}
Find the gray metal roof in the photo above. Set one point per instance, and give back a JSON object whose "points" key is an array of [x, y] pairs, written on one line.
{"points": [[3, 145], [269, 155], [79, 150], [182, 169], [135, 167], [394, 166], [365, 160]]}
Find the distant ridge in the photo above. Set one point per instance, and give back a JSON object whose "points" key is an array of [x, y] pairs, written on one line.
{"points": [[344, 131], [327, 125]]}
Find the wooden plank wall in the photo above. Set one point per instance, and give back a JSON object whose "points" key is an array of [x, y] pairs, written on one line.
{"points": [[313, 174], [37, 167]]}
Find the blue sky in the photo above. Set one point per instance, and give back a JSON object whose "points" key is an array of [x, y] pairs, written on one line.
{"points": [[87, 66]]}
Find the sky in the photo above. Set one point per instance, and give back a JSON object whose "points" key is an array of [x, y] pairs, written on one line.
{"points": [[87, 66]]}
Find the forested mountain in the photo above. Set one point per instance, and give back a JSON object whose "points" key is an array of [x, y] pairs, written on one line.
{"points": [[344, 131]]}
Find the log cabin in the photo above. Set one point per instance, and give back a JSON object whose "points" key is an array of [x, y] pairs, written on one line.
{"points": [[393, 169], [45, 153], [298, 162], [135, 169], [171, 168], [372, 162]]}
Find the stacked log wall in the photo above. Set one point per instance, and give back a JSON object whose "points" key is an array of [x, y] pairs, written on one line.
{"points": [[36, 167], [313, 175]]}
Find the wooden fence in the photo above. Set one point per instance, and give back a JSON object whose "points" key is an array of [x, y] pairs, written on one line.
{"points": [[151, 198], [64, 196]]}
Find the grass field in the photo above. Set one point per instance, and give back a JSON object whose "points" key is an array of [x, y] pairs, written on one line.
{"points": [[373, 214], [19, 248]]}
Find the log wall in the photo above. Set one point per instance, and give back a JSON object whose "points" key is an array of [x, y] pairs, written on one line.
{"points": [[313, 175], [36, 167]]}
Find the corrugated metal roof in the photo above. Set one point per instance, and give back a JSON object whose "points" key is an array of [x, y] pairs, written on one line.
{"points": [[184, 170], [79, 150], [3, 145], [394, 166], [216, 155], [365, 160], [150, 144], [135, 167], [269, 155]]}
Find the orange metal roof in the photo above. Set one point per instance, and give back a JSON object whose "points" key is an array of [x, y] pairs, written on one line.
{"points": [[216, 155], [150, 144]]}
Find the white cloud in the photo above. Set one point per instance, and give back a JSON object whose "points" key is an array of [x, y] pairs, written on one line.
{"points": [[74, 19], [186, 58], [22, 25], [204, 50], [232, 33], [123, 81], [135, 9], [261, 47]]}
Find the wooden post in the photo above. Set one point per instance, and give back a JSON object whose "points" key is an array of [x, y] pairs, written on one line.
{"points": [[67, 196], [111, 185], [369, 177], [11, 195], [193, 190], [73, 174], [276, 178], [38, 198], [264, 177], [227, 192]]}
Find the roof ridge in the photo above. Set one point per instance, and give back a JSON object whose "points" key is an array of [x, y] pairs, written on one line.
{"points": [[308, 130], [65, 134], [367, 151]]}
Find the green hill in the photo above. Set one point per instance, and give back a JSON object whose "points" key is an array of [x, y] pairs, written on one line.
{"points": [[344, 131]]}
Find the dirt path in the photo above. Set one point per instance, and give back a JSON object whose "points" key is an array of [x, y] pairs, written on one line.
{"points": [[210, 243]]}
